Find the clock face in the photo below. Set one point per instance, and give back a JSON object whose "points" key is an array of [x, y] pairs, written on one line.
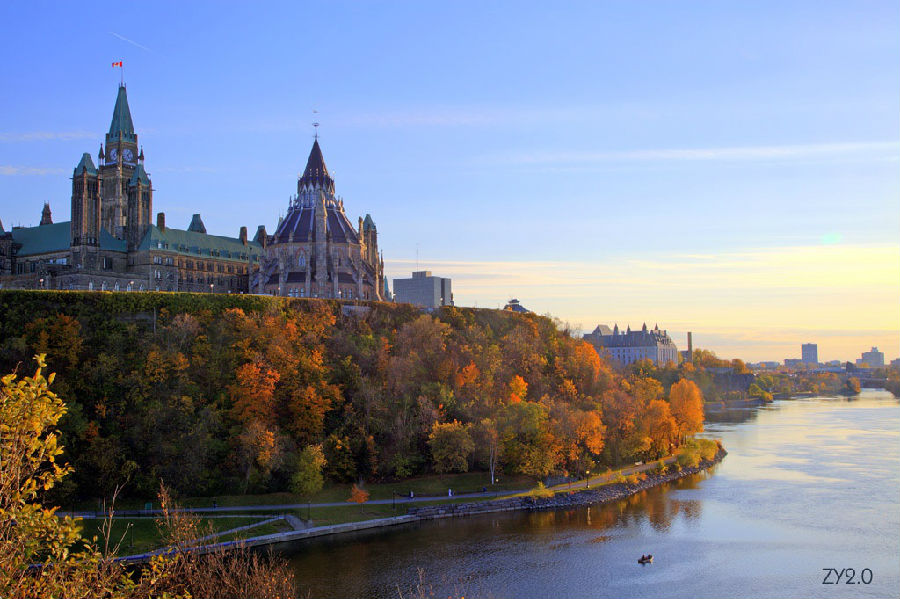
{"points": [[112, 154], [128, 155]]}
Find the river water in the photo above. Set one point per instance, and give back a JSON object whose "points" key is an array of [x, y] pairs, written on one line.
{"points": [[808, 484]]}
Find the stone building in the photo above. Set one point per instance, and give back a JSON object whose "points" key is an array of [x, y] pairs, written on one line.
{"points": [[110, 242], [315, 251], [632, 346]]}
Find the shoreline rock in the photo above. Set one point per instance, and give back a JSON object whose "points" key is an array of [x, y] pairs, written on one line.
{"points": [[574, 498]]}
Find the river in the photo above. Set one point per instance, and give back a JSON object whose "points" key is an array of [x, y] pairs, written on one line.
{"points": [[808, 484]]}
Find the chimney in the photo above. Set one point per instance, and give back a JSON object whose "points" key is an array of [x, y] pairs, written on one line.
{"points": [[243, 235], [161, 221]]}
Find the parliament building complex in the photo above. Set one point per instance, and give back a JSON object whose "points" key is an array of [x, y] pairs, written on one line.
{"points": [[110, 242]]}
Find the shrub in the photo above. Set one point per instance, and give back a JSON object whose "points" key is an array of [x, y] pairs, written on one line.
{"points": [[541, 491]]}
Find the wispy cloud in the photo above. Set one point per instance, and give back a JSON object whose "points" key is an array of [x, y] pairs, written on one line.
{"points": [[47, 136], [788, 286], [884, 149], [132, 42], [753, 304], [8, 170]]}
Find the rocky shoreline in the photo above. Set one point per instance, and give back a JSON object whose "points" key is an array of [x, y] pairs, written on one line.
{"points": [[574, 498]]}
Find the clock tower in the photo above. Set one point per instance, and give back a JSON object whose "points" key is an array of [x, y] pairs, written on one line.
{"points": [[118, 165]]}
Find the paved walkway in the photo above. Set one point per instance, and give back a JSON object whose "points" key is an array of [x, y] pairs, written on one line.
{"points": [[399, 500]]}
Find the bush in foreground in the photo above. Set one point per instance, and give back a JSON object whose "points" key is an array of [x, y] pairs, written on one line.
{"points": [[42, 555]]}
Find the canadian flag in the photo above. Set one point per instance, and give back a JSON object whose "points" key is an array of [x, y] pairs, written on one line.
{"points": [[117, 64]]}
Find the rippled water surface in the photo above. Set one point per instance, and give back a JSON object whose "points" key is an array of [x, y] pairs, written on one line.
{"points": [[808, 484]]}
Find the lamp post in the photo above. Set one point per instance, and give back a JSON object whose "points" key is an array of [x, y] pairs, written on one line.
{"points": [[210, 287], [42, 282], [587, 479], [130, 285]]}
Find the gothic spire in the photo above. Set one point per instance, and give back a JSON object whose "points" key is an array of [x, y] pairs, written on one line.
{"points": [[46, 217], [316, 172], [121, 124]]}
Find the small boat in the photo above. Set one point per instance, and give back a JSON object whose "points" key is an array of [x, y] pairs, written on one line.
{"points": [[646, 559]]}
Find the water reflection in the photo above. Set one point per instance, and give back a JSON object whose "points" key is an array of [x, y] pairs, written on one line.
{"points": [[801, 489]]}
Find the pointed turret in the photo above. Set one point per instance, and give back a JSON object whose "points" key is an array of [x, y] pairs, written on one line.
{"points": [[197, 225], [86, 165], [644, 328], [121, 125], [46, 216], [140, 175], [369, 224], [316, 173], [616, 329]]}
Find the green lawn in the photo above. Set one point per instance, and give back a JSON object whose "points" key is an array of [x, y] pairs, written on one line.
{"points": [[434, 485], [422, 486]]}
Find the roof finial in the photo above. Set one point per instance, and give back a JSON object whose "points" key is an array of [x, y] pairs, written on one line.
{"points": [[315, 126]]}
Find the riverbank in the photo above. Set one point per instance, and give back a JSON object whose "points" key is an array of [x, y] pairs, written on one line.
{"points": [[562, 498]]}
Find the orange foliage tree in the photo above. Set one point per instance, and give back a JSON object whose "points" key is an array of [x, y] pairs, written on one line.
{"points": [[686, 402]]}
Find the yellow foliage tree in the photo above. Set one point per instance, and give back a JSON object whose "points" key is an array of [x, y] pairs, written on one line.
{"points": [[30, 533]]}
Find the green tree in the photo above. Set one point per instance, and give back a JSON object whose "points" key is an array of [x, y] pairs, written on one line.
{"points": [[307, 478], [451, 445]]}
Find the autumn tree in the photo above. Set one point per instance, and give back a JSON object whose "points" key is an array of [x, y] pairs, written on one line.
{"points": [[487, 445], [30, 533], [253, 393], [451, 445], [686, 403]]}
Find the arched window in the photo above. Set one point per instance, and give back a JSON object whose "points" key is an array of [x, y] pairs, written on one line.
{"points": [[90, 286], [103, 286], [116, 288], [301, 260]]}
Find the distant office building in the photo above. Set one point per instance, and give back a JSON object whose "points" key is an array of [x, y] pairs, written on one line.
{"points": [[873, 358], [793, 363], [632, 346], [809, 353], [423, 290], [513, 305], [834, 363], [895, 363]]}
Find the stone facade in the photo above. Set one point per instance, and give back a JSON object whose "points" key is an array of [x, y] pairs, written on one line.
{"points": [[315, 251], [110, 242], [631, 346]]}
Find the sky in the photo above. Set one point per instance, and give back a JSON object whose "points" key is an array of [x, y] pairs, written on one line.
{"points": [[726, 168]]}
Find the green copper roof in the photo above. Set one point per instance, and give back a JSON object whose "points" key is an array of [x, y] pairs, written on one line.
{"points": [[86, 165], [121, 121], [199, 245], [108, 242], [139, 175], [55, 237], [42, 239]]}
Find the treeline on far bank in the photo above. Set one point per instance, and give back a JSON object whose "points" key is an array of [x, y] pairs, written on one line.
{"points": [[229, 394]]}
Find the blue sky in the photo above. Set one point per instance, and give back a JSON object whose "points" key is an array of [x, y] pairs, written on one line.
{"points": [[683, 163]]}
